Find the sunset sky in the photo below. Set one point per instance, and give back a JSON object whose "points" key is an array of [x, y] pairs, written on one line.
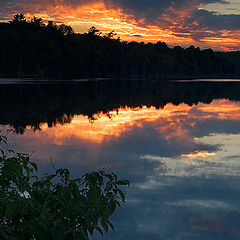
{"points": [[203, 23]]}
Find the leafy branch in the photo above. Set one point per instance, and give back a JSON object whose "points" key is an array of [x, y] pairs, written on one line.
{"points": [[54, 206]]}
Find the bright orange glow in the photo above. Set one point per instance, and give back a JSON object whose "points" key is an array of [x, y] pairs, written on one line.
{"points": [[171, 122], [121, 122], [169, 27], [203, 154], [223, 109], [228, 41], [81, 18]]}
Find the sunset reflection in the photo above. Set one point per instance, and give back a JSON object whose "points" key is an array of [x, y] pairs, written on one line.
{"points": [[171, 120], [173, 124], [182, 160]]}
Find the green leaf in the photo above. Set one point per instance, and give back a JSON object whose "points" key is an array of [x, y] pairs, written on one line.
{"points": [[12, 210], [114, 176], [34, 165], [91, 229], [123, 182], [99, 230], [2, 152], [108, 187], [110, 225], [109, 176], [122, 195], [104, 225]]}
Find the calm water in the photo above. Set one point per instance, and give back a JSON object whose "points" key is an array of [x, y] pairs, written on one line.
{"points": [[178, 143]]}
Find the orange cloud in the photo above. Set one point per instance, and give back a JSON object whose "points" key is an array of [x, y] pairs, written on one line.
{"points": [[199, 154], [81, 18], [171, 26]]}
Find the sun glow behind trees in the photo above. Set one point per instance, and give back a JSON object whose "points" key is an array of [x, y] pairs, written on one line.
{"points": [[173, 26]]}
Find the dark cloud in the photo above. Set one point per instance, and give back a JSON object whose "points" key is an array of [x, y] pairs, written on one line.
{"points": [[136, 35], [213, 21], [204, 24], [170, 14], [167, 14], [152, 9]]}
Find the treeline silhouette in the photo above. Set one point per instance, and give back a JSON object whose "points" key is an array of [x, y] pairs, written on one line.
{"points": [[32, 104], [35, 49]]}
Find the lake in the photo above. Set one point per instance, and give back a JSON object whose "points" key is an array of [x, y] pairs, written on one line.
{"points": [[177, 142]]}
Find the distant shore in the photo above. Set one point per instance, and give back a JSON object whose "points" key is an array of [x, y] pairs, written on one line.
{"points": [[33, 49]]}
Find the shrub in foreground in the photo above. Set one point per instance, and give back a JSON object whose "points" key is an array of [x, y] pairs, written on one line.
{"points": [[54, 206]]}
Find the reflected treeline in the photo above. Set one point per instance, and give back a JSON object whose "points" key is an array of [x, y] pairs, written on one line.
{"points": [[33, 104]]}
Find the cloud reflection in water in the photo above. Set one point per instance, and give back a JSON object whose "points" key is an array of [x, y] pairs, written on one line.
{"points": [[183, 162]]}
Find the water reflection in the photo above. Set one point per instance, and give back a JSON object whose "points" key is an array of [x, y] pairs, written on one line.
{"points": [[34, 104], [182, 158], [177, 131]]}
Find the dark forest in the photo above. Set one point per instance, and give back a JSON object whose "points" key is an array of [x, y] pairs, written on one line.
{"points": [[39, 50]]}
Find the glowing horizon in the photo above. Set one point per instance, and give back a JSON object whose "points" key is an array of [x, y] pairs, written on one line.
{"points": [[176, 23]]}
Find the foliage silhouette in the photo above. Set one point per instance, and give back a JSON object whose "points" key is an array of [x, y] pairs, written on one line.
{"points": [[34, 49], [54, 206], [19, 18]]}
